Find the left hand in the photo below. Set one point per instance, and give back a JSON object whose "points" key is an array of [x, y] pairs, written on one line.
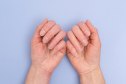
{"points": [[83, 47]]}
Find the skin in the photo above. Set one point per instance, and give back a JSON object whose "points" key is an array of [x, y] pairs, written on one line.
{"points": [[83, 51], [48, 48], [44, 59]]}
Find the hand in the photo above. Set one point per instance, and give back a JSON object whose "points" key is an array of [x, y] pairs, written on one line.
{"points": [[47, 48], [83, 51], [83, 47]]}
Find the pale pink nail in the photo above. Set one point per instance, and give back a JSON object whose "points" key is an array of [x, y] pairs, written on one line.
{"points": [[42, 33], [87, 33], [84, 42]]}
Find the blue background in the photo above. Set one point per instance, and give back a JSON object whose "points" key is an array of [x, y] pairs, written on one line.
{"points": [[19, 18]]}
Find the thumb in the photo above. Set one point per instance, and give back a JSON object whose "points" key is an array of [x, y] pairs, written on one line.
{"points": [[36, 37]]}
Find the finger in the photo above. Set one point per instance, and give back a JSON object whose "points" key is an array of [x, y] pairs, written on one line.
{"points": [[56, 39], [69, 54], [94, 34], [71, 50], [59, 51], [84, 28], [63, 50], [80, 36], [74, 41], [51, 33], [37, 37], [59, 46], [47, 27]]}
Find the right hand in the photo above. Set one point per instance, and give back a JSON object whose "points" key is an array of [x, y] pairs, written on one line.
{"points": [[48, 46]]}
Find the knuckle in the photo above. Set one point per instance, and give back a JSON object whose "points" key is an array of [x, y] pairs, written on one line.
{"points": [[52, 22]]}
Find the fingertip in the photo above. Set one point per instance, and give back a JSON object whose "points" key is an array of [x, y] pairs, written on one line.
{"points": [[43, 22], [52, 21], [96, 29], [81, 22], [74, 28], [89, 24], [88, 21], [42, 32], [46, 19], [84, 28], [85, 42], [58, 25], [88, 33]]}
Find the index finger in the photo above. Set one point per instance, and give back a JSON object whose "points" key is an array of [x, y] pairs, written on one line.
{"points": [[36, 35]]}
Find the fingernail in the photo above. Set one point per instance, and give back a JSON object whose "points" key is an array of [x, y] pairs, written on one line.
{"points": [[87, 33], [84, 42], [45, 40], [42, 33]]}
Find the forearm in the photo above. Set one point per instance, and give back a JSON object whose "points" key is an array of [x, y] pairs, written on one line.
{"points": [[37, 76], [93, 77]]}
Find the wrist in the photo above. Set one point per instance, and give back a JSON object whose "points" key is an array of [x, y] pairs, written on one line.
{"points": [[37, 75], [41, 70], [94, 76], [90, 71]]}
